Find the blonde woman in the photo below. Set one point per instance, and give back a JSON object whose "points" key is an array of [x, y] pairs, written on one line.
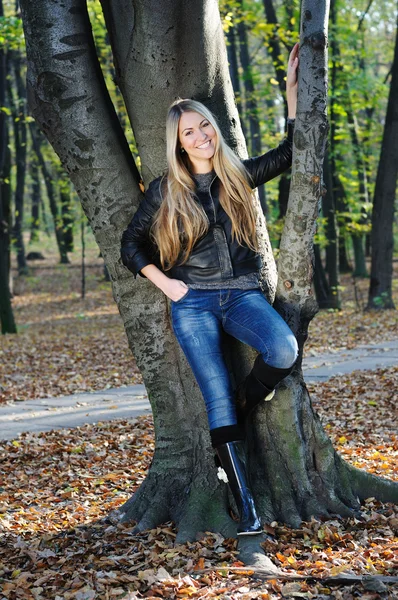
{"points": [[194, 237]]}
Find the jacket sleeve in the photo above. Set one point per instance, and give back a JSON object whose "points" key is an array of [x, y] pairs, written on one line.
{"points": [[274, 162], [137, 250]]}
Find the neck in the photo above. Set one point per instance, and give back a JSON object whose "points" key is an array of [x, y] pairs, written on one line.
{"points": [[202, 167]]}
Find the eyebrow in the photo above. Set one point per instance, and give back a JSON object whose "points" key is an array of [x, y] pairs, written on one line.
{"points": [[192, 127]]}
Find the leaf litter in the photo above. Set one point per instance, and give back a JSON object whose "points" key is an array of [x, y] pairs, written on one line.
{"points": [[56, 489]]}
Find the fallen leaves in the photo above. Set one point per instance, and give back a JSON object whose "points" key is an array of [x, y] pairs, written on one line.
{"points": [[57, 487]]}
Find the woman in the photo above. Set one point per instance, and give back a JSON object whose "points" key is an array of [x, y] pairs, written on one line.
{"points": [[194, 237]]}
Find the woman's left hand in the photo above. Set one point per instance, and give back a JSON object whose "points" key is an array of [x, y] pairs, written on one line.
{"points": [[291, 81]]}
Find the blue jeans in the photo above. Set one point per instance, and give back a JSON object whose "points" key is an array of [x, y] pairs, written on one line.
{"points": [[198, 321]]}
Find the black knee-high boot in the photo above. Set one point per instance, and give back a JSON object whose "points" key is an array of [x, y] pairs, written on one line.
{"points": [[232, 457], [259, 385]]}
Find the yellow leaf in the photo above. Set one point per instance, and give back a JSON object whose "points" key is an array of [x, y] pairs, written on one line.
{"points": [[273, 81]]}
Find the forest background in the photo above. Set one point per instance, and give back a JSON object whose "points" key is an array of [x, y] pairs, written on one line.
{"points": [[70, 337]]}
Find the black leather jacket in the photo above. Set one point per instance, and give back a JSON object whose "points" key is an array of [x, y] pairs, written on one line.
{"points": [[215, 256]]}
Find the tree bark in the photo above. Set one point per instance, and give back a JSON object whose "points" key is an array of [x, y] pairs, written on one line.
{"points": [[332, 236], [19, 123], [234, 74], [6, 314], [158, 57], [382, 242], [321, 285], [66, 212], [35, 201]]}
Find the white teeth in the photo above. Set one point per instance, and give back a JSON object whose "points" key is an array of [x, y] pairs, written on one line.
{"points": [[205, 145]]}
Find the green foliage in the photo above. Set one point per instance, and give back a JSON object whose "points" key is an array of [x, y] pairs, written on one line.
{"points": [[11, 32], [382, 301]]}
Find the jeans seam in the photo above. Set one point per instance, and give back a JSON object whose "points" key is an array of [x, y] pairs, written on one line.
{"points": [[253, 333], [227, 298]]}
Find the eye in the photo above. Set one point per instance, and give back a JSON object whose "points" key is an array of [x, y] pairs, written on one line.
{"points": [[187, 133], [205, 124]]}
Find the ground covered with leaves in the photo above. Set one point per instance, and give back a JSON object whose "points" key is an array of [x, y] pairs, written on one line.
{"points": [[57, 487], [66, 344]]}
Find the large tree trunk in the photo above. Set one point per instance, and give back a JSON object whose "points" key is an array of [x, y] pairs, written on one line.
{"points": [[161, 51], [380, 292]]}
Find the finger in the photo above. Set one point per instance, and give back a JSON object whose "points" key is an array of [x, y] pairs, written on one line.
{"points": [[294, 51]]}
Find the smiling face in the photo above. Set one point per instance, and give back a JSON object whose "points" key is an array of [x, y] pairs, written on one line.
{"points": [[198, 138]]}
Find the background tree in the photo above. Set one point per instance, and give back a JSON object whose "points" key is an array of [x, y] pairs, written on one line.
{"points": [[380, 290], [6, 313]]}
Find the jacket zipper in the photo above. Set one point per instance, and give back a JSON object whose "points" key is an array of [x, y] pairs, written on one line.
{"points": [[212, 201]]}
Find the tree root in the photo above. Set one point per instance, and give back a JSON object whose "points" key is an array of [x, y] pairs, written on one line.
{"points": [[366, 485], [251, 553]]}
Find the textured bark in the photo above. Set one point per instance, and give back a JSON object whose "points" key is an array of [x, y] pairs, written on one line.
{"points": [[6, 314], [158, 57], [66, 213], [321, 284], [18, 108], [380, 290], [234, 74], [332, 236], [35, 201]]}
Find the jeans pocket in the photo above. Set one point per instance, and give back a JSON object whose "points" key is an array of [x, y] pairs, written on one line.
{"points": [[183, 298]]}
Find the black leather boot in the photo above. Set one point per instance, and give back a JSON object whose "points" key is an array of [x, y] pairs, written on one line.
{"points": [[259, 385], [233, 462]]}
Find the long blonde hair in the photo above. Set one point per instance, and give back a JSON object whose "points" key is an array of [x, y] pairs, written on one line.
{"points": [[181, 220]]}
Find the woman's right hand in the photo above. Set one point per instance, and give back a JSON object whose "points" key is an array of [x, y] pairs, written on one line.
{"points": [[175, 289]]}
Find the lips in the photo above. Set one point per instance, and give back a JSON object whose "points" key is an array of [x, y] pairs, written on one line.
{"points": [[204, 145]]}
